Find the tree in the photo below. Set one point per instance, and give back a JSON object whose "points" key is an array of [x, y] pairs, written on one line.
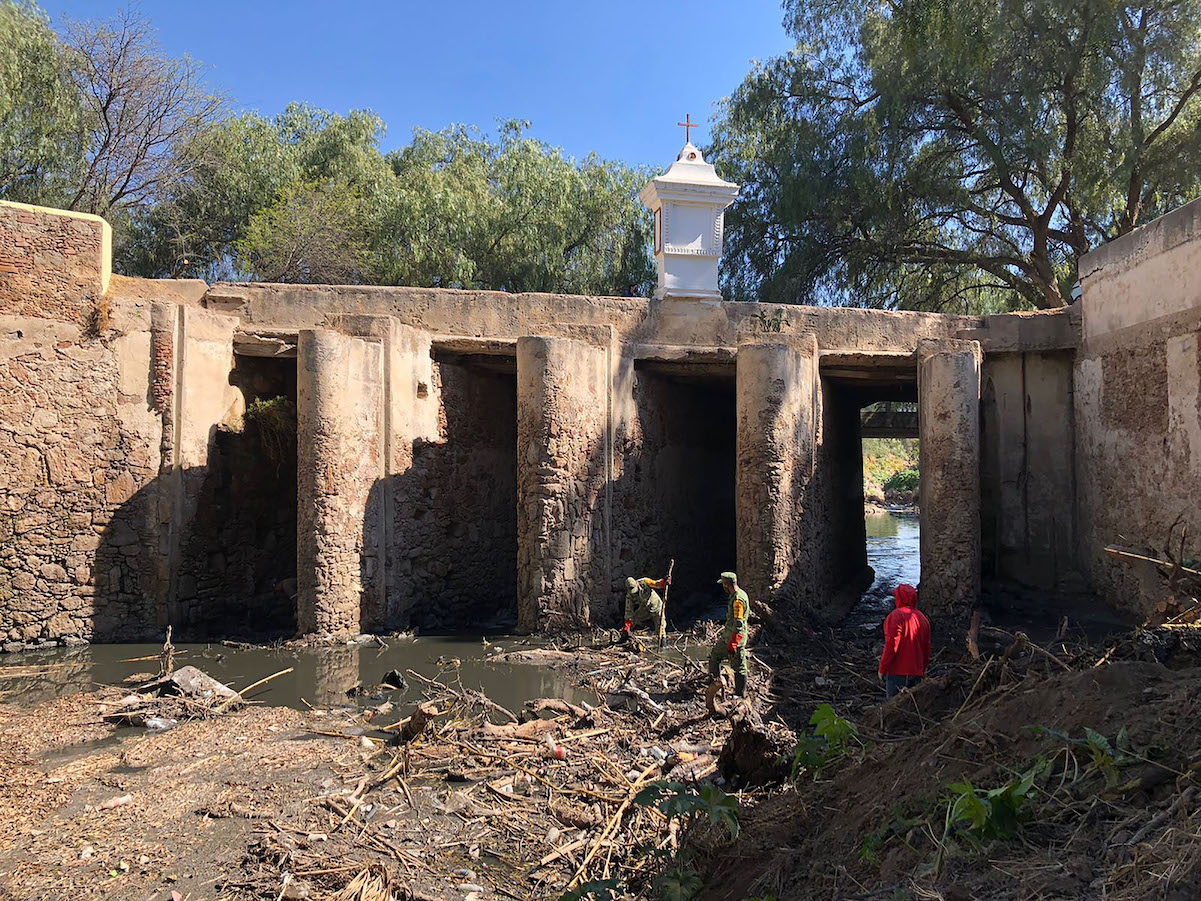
{"points": [[513, 215], [922, 154], [314, 234], [142, 112], [244, 165], [40, 137]]}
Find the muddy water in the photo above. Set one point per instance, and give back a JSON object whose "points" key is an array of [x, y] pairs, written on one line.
{"points": [[320, 677], [894, 552]]}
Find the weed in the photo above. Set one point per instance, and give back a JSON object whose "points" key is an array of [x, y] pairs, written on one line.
{"points": [[597, 890], [830, 742], [678, 884], [1105, 757], [977, 814], [675, 799]]}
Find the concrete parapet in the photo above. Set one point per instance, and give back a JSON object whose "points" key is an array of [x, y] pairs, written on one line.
{"points": [[339, 449], [948, 380], [562, 480], [776, 417]]}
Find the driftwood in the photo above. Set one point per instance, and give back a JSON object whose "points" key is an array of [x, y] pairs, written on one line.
{"points": [[421, 718]]}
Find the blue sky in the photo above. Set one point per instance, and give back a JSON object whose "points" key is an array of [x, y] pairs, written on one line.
{"points": [[613, 76]]}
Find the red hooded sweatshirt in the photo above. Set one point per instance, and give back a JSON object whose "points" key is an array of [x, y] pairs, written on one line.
{"points": [[906, 636]]}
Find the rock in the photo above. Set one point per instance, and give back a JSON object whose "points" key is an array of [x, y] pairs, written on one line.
{"points": [[197, 684]]}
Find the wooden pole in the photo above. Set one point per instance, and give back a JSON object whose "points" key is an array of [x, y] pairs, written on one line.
{"points": [[663, 613]]}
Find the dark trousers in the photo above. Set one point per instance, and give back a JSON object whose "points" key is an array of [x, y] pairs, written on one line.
{"points": [[894, 684]]}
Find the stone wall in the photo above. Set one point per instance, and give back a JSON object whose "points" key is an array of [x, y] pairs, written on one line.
{"points": [[78, 448], [53, 264], [674, 495], [1138, 402], [457, 506], [241, 541]]}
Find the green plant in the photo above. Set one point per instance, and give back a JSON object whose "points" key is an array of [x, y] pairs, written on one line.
{"points": [[272, 422], [903, 482], [831, 740], [675, 799], [1105, 757], [995, 813], [597, 890], [678, 884]]}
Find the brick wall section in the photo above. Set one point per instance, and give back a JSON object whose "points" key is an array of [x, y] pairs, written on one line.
{"points": [[53, 264]]}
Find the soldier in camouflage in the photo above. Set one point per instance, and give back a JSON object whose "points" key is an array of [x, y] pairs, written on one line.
{"points": [[644, 606], [731, 645]]}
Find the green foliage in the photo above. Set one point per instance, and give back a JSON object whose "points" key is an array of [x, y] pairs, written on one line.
{"points": [[837, 731], [1105, 757], [309, 197], [675, 799], [596, 890], [678, 884], [980, 814], [903, 482], [957, 158], [829, 743], [41, 136], [271, 422], [883, 458]]}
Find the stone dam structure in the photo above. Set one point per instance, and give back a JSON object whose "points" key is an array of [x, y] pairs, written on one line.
{"points": [[440, 458]]}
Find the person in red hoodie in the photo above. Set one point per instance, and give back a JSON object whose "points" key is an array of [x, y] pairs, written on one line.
{"points": [[906, 642]]}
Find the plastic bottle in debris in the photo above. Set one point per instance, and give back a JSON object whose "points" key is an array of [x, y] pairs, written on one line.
{"points": [[556, 751]]}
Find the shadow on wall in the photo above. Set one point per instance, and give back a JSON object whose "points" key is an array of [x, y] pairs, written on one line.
{"points": [[238, 545], [451, 536]]}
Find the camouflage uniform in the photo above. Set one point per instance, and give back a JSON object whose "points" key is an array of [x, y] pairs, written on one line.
{"points": [[644, 607], [737, 611]]}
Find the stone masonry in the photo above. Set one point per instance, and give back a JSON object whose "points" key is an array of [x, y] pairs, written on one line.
{"points": [[421, 412]]}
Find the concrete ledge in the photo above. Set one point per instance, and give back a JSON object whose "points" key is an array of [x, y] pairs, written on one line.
{"points": [[1157, 236]]}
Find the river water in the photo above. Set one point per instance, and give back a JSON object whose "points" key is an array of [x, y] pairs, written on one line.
{"points": [[894, 552], [322, 676]]}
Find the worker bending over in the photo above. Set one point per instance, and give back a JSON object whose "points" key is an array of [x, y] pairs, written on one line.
{"points": [[731, 645], [644, 607], [906, 642]]}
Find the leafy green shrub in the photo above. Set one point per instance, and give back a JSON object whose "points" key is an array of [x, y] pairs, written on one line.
{"points": [[272, 422], [903, 482], [675, 799], [830, 741]]}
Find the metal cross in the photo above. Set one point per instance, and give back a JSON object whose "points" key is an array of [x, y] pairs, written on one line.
{"points": [[688, 125]]}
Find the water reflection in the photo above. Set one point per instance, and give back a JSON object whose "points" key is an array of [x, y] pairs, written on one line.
{"points": [[320, 676]]}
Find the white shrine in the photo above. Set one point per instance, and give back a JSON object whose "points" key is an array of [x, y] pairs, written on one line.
{"points": [[688, 202]]}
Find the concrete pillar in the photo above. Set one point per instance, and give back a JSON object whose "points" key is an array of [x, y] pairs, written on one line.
{"points": [[562, 480], [776, 415], [948, 387], [340, 462]]}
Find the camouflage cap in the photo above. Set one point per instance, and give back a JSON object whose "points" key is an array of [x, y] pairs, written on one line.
{"points": [[631, 584], [728, 577]]}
